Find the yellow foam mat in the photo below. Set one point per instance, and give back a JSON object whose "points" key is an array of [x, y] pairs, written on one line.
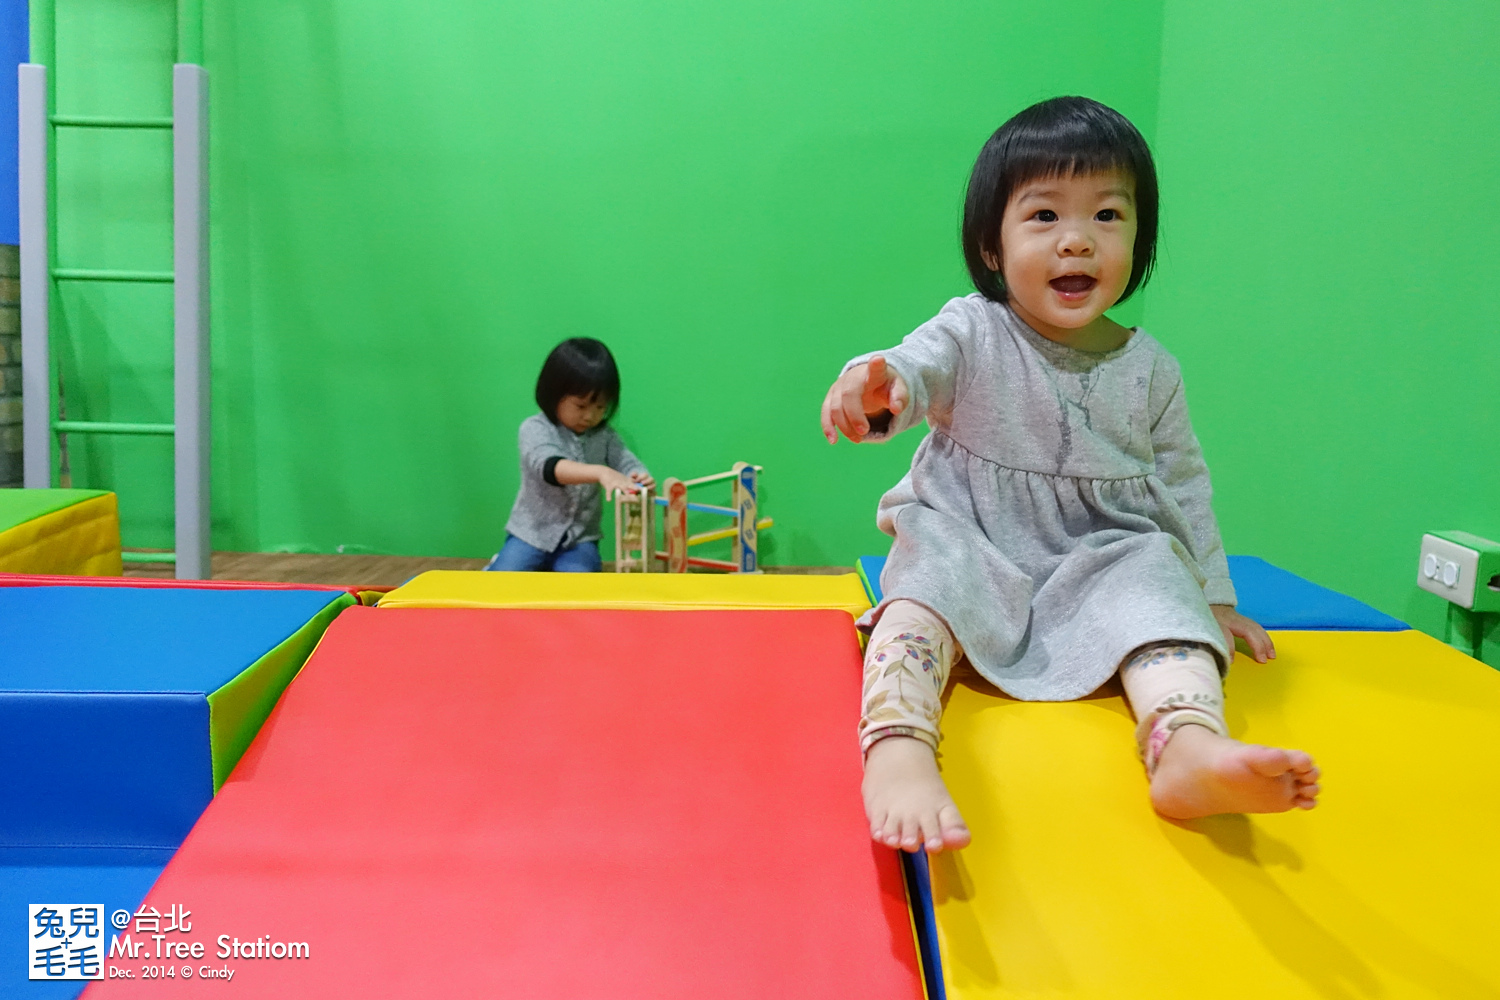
{"points": [[1390, 888], [640, 591], [81, 539]]}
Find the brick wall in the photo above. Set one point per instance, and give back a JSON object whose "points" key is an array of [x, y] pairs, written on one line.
{"points": [[10, 366]]}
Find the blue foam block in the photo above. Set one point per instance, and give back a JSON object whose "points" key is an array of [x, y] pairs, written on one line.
{"points": [[918, 877], [143, 639], [102, 769], [118, 880], [104, 714], [869, 574], [1282, 600], [1270, 595]]}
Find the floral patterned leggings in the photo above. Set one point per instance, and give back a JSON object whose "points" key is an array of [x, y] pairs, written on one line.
{"points": [[911, 653]]}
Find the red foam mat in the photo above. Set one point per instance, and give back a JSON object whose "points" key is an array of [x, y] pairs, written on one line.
{"points": [[551, 805]]}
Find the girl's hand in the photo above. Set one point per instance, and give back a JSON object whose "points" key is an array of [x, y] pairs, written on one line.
{"points": [[1235, 624], [859, 394], [644, 478], [615, 482]]}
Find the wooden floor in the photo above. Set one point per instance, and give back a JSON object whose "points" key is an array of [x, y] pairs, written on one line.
{"points": [[356, 570]]}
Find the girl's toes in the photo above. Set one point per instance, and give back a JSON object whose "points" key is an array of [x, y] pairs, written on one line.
{"points": [[955, 832], [911, 835], [1300, 761], [1268, 762], [1305, 796], [932, 832], [893, 832]]}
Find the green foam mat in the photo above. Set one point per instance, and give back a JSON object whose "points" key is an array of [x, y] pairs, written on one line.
{"points": [[20, 506], [237, 710]]}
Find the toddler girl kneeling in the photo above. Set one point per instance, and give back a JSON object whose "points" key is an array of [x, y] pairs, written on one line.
{"points": [[571, 459]]}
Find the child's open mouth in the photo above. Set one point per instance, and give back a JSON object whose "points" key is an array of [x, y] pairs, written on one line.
{"points": [[1074, 284]]}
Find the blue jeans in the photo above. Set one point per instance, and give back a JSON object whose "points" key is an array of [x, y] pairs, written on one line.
{"points": [[518, 557]]}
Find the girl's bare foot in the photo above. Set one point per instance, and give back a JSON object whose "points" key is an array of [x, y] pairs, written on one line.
{"points": [[905, 799], [1201, 773]]}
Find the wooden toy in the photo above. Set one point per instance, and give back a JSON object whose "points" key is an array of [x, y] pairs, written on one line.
{"points": [[635, 525]]}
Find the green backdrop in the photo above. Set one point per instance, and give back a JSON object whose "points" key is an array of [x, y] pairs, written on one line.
{"points": [[1327, 278], [412, 204]]}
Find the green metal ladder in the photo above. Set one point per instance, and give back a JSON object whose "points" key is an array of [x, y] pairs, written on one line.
{"points": [[189, 276]]}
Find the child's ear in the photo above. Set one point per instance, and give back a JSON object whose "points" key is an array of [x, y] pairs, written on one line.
{"points": [[991, 259]]}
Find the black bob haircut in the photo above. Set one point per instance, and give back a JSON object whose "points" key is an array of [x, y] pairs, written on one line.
{"points": [[580, 366], [1063, 137]]}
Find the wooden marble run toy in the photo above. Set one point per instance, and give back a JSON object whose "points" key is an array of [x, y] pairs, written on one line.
{"points": [[635, 525]]}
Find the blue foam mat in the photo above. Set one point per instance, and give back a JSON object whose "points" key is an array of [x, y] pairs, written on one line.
{"points": [[118, 880], [1270, 595]]}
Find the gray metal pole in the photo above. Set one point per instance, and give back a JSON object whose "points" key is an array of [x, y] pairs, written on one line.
{"points": [[191, 309], [36, 280]]}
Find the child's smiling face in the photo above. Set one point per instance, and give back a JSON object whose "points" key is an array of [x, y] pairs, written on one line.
{"points": [[582, 413], [1066, 250]]}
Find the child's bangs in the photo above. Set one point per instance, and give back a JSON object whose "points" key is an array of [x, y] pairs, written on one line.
{"points": [[589, 392], [1042, 162], [592, 392]]}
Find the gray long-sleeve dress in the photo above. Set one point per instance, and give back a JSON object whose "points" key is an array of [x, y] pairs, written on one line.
{"points": [[1057, 515], [551, 515]]}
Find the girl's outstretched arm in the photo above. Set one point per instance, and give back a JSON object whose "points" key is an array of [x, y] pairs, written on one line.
{"points": [[861, 395], [880, 395]]}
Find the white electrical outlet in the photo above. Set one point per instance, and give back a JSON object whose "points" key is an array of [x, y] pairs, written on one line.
{"points": [[1448, 570]]}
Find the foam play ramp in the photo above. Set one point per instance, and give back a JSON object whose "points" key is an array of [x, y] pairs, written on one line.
{"points": [[550, 804], [1390, 889]]}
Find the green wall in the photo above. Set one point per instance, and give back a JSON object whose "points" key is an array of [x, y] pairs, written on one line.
{"points": [[1327, 282], [412, 205]]}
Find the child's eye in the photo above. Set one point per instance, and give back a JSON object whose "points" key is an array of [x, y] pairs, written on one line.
{"points": [[1045, 215], [1106, 215]]}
